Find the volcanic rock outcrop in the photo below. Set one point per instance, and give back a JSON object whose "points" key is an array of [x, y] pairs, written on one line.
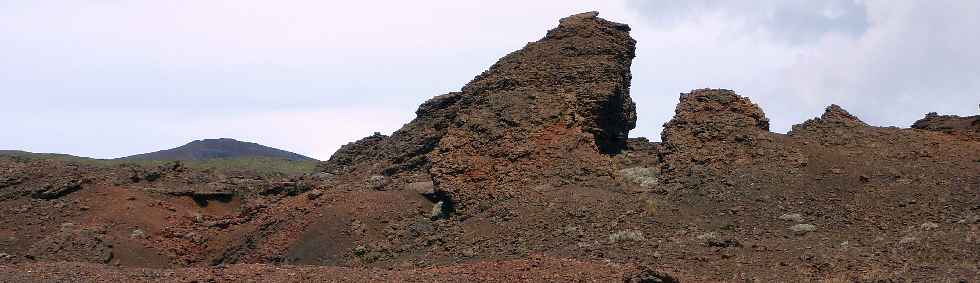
{"points": [[526, 174], [546, 114], [549, 115], [967, 127], [715, 131], [833, 117]]}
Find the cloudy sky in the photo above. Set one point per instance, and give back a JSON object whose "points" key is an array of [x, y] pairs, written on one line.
{"points": [[110, 78]]}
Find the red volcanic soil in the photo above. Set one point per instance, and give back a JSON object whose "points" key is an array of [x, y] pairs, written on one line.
{"points": [[526, 174]]}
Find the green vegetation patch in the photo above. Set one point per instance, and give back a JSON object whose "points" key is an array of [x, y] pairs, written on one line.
{"points": [[253, 165]]}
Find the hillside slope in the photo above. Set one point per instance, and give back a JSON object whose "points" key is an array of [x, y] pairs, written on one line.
{"points": [[223, 148]]}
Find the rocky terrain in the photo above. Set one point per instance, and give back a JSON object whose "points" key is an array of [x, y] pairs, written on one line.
{"points": [[527, 174], [966, 127]]}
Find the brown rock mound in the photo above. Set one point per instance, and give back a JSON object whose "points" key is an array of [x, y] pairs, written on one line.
{"points": [[836, 114], [715, 130], [707, 115], [834, 117], [835, 127]]}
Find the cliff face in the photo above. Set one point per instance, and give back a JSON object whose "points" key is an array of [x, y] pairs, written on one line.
{"points": [[541, 115]]}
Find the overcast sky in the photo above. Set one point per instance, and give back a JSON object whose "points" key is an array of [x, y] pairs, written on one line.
{"points": [[110, 78]]}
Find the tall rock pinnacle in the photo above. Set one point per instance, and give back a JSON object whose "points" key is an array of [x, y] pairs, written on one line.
{"points": [[578, 74], [540, 115]]}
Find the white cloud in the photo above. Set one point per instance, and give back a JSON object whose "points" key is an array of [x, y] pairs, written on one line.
{"points": [[912, 57], [112, 78], [315, 133]]}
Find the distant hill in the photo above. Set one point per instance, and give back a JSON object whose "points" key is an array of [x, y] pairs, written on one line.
{"points": [[50, 156], [223, 148]]}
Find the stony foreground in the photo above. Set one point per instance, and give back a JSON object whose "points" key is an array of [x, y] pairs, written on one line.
{"points": [[527, 174]]}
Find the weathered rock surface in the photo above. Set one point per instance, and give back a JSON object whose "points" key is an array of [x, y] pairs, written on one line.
{"points": [[836, 126], [71, 243], [545, 114], [715, 131], [541, 115], [833, 117], [966, 127], [523, 175]]}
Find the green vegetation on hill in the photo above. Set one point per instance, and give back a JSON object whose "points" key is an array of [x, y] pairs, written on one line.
{"points": [[254, 165]]}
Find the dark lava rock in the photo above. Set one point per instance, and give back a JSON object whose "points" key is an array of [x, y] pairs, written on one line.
{"points": [[708, 115], [648, 275], [405, 153], [834, 117], [968, 127], [513, 178], [74, 244], [58, 189], [835, 127], [544, 114], [837, 115], [547, 112], [714, 130]]}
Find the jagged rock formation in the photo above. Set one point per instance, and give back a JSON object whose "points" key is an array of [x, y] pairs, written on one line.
{"points": [[967, 127], [548, 115], [404, 156], [712, 116], [543, 114], [525, 174], [835, 126], [833, 117], [715, 131]]}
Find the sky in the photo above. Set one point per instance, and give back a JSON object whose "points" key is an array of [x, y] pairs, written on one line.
{"points": [[111, 78]]}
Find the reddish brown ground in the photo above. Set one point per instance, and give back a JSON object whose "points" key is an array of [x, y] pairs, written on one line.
{"points": [[525, 175]]}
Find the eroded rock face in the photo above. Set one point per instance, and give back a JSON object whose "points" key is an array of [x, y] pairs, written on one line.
{"points": [[353, 154], [715, 131], [577, 75], [540, 115], [836, 114], [834, 117], [835, 127], [968, 127], [403, 155], [709, 118], [709, 115]]}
